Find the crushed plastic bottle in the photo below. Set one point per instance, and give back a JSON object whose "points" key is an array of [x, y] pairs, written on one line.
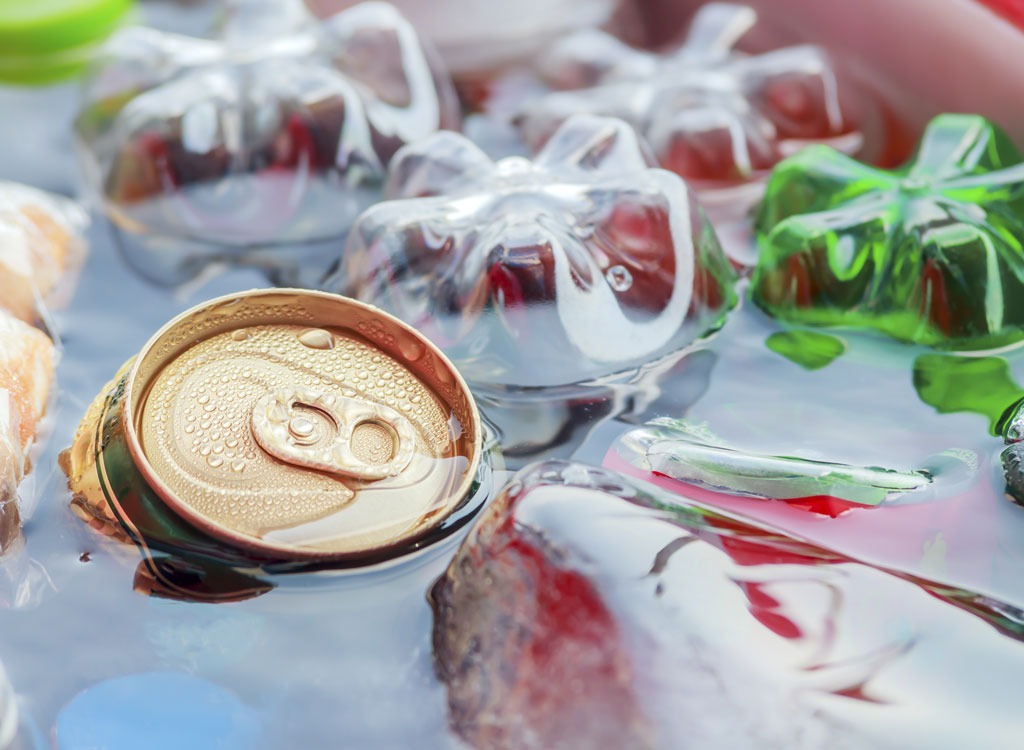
{"points": [[712, 114], [583, 263], [478, 37], [260, 147]]}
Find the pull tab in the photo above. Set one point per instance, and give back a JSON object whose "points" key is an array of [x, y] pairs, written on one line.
{"points": [[315, 431]]}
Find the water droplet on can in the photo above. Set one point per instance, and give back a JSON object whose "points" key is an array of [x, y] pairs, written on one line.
{"points": [[300, 427], [317, 338]]}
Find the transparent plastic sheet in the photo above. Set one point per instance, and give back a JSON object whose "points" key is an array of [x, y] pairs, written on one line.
{"points": [[260, 147], [327, 657]]}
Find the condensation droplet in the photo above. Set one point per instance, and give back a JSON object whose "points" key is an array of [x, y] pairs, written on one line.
{"points": [[317, 338], [412, 350], [215, 461], [301, 427]]}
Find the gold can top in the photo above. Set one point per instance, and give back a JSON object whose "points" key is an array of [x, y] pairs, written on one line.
{"points": [[301, 424]]}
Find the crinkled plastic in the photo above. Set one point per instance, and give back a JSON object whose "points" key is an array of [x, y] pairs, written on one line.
{"points": [[275, 136], [12, 468], [583, 263], [42, 247], [27, 360], [713, 115]]}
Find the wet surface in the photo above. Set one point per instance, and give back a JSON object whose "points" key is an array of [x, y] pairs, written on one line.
{"points": [[344, 659], [327, 658]]}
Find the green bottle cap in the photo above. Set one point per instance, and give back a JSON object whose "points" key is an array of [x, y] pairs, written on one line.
{"points": [[45, 40]]}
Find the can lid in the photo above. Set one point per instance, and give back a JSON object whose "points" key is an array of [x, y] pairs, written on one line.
{"points": [[302, 425], [45, 40]]}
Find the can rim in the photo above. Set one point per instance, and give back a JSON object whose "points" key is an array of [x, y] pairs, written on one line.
{"points": [[252, 543]]}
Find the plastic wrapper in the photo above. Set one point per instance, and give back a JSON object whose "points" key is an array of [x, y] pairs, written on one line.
{"points": [[929, 253], [715, 116], [261, 146], [26, 376], [27, 360], [584, 611], [583, 263], [41, 249]]}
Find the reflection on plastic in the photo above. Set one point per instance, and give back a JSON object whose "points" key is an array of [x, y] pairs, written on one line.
{"points": [[711, 114], [277, 134], [691, 453], [930, 253], [581, 264]]}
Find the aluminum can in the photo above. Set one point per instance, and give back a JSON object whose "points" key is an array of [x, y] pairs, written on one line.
{"points": [[279, 429]]}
